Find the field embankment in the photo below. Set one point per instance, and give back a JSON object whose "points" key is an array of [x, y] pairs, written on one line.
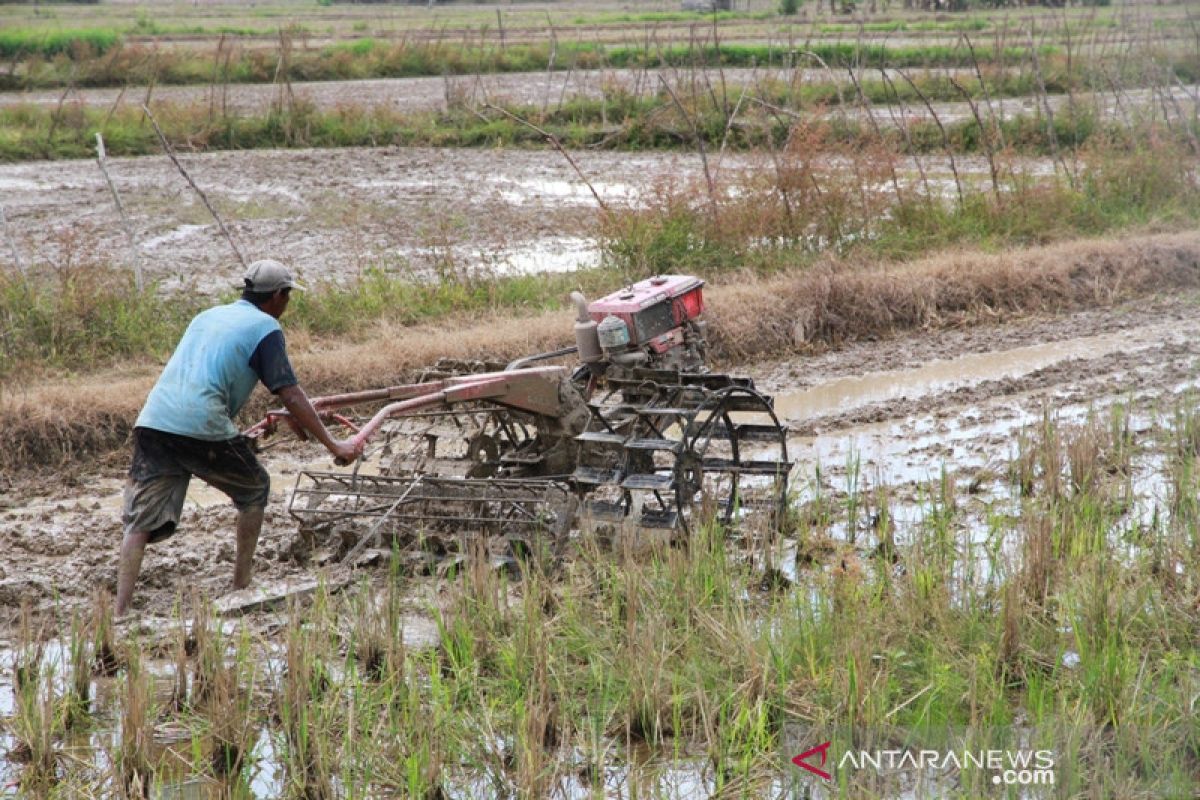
{"points": [[106, 56], [67, 421]]}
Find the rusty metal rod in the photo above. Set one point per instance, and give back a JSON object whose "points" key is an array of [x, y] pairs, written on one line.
{"points": [[415, 396]]}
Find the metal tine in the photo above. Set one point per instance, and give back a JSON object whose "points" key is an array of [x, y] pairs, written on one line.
{"points": [[373, 534]]}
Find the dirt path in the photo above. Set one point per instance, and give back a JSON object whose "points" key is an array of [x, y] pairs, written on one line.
{"points": [[905, 408], [549, 90], [436, 93]]}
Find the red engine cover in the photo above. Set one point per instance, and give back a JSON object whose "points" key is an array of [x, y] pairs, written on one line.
{"points": [[654, 306]]}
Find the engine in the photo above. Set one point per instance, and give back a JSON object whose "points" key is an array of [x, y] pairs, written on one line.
{"points": [[653, 323]]}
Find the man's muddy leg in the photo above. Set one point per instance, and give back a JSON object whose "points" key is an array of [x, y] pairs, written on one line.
{"points": [[133, 547], [249, 523]]}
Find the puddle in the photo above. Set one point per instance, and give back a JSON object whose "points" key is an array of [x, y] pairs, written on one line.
{"points": [[562, 190], [19, 184], [551, 254], [255, 195], [969, 445], [176, 235], [564, 254], [843, 394]]}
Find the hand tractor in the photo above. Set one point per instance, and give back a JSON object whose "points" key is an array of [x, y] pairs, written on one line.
{"points": [[639, 432]]}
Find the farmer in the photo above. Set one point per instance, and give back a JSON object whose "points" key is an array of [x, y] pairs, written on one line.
{"points": [[186, 427]]}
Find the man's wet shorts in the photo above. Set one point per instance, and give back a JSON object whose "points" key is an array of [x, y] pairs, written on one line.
{"points": [[164, 463]]}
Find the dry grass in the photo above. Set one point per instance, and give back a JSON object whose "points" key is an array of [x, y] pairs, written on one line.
{"points": [[68, 420]]}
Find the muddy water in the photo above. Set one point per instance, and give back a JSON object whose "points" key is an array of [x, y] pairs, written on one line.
{"points": [[957, 423], [947, 375], [332, 214]]}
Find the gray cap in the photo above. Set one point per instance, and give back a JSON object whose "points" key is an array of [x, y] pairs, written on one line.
{"points": [[268, 275]]}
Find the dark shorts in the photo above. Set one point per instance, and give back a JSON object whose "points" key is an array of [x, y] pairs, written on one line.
{"points": [[163, 465]]}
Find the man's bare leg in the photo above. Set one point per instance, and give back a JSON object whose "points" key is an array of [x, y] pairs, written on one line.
{"points": [[133, 547], [249, 523]]}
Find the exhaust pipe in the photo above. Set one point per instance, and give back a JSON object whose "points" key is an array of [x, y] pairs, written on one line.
{"points": [[587, 340]]}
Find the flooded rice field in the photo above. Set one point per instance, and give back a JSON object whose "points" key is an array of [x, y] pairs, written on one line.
{"points": [[551, 90], [1174, 104], [906, 418], [903, 427], [899, 415], [331, 214]]}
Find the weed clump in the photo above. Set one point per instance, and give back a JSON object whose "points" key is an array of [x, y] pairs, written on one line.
{"points": [[105, 660], [133, 755], [38, 720]]}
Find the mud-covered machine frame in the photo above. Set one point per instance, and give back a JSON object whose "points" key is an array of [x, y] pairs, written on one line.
{"points": [[639, 433]]}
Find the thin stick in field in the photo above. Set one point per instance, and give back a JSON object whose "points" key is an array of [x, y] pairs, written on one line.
{"points": [[203, 197], [984, 133], [553, 140], [712, 190], [102, 161], [945, 137]]}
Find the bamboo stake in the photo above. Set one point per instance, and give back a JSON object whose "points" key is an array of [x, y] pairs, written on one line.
{"points": [[987, 97], [102, 160], [728, 127], [1044, 96], [984, 135], [901, 123], [550, 64], [203, 197], [865, 103]]}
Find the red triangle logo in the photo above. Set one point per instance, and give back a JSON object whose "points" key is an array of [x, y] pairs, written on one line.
{"points": [[801, 760]]}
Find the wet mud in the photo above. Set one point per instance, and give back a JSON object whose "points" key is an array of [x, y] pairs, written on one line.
{"points": [[898, 412], [334, 214]]}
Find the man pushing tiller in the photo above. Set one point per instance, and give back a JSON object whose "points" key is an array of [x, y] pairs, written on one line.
{"points": [[186, 427]]}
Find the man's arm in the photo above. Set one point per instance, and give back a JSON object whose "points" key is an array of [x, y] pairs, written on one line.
{"points": [[302, 411], [270, 362]]}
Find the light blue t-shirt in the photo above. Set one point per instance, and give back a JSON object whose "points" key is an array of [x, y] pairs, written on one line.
{"points": [[209, 378]]}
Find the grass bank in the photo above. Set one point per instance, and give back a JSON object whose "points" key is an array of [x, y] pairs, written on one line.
{"points": [[783, 215], [74, 44], [821, 194], [100, 57], [880, 114], [83, 414], [1062, 625]]}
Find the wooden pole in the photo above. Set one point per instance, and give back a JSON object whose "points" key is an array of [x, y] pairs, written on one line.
{"points": [[135, 259]]}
